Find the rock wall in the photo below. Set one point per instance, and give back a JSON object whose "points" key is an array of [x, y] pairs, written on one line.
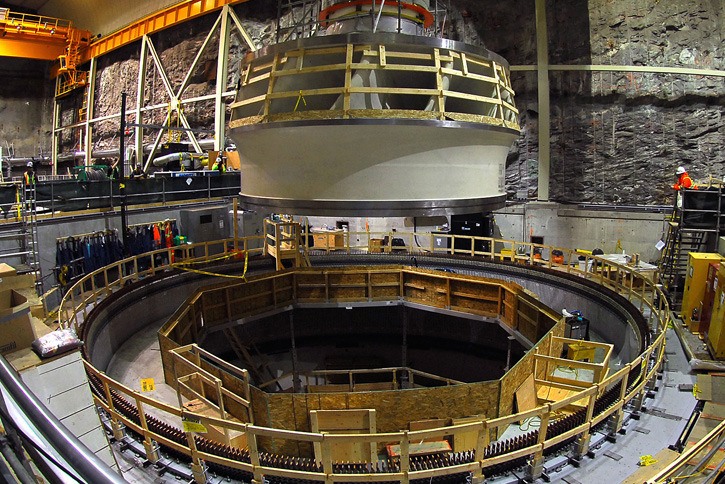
{"points": [[26, 108], [616, 137]]}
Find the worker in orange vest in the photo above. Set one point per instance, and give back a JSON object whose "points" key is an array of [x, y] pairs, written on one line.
{"points": [[683, 180]]}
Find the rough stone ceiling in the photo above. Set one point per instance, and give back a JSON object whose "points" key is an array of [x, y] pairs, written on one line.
{"points": [[26, 4]]}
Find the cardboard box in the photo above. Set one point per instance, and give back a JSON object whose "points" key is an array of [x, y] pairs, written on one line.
{"points": [[23, 281], [7, 270], [16, 332]]}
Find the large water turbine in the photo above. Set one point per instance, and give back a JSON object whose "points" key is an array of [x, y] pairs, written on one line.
{"points": [[374, 115]]}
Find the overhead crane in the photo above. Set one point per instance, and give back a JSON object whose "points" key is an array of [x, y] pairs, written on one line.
{"points": [[155, 22], [46, 38]]}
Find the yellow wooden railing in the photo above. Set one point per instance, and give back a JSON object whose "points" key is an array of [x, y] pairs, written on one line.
{"points": [[637, 288], [485, 94]]}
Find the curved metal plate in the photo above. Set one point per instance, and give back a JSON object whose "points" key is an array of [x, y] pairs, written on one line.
{"points": [[362, 208]]}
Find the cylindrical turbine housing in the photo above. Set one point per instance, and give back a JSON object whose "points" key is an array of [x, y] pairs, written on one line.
{"points": [[373, 124]]}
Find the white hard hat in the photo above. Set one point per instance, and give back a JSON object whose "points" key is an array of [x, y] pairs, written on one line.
{"points": [[680, 170], [30, 164]]}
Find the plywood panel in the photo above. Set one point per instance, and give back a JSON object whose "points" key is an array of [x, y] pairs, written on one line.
{"points": [[432, 423], [526, 395], [463, 441], [512, 380], [345, 422]]}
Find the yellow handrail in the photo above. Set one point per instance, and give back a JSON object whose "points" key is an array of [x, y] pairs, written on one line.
{"points": [[609, 274]]}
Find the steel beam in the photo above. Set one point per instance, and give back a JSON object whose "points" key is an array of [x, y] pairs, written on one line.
{"points": [[56, 134], [156, 22], [140, 92], [31, 48], [685, 71], [220, 113], [542, 72], [90, 99]]}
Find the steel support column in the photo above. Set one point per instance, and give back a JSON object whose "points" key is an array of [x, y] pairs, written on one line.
{"points": [[90, 99], [56, 133], [140, 93], [542, 71], [221, 82]]}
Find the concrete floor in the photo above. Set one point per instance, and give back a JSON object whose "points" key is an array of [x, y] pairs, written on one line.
{"points": [[613, 462]]}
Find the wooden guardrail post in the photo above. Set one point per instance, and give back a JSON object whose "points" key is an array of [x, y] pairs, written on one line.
{"points": [[581, 445], [405, 457], [198, 468], [482, 442], [535, 466], [254, 456], [327, 459], [150, 447], [616, 421], [118, 428]]}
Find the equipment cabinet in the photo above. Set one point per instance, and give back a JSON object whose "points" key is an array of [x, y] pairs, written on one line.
{"points": [[695, 282]]}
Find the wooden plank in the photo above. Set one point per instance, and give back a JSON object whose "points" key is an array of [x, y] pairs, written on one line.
{"points": [[471, 75], [358, 419], [433, 423], [526, 395], [423, 448], [310, 70], [344, 422]]}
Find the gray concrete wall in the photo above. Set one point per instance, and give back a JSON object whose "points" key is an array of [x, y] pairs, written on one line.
{"points": [[26, 110], [560, 225], [49, 230], [563, 226]]}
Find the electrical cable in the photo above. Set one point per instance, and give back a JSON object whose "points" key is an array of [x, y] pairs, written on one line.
{"points": [[8, 421], [243, 276], [529, 423]]}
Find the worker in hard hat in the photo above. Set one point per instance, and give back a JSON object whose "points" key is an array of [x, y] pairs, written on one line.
{"points": [[29, 175], [683, 179], [219, 165], [683, 182]]}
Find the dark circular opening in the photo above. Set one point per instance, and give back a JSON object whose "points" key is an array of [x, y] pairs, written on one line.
{"points": [[301, 342]]}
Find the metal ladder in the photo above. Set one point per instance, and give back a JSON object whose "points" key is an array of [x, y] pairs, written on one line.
{"points": [[29, 256]]}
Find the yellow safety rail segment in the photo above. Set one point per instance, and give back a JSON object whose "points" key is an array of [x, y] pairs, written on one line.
{"points": [[155, 22]]}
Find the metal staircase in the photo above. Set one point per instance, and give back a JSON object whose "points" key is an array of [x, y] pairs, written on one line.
{"points": [[693, 227]]}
